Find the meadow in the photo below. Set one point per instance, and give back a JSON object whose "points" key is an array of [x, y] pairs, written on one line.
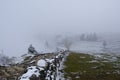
{"points": [[80, 66]]}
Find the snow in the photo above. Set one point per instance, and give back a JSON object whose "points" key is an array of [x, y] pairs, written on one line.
{"points": [[32, 61], [49, 60], [20, 59], [96, 47], [93, 61], [87, 47], [41, 63], [30, 71], [60, 76], [40, 66], [26, 55]]}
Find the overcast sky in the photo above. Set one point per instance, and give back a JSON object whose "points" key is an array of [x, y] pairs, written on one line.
{"points": [[21, 20]]}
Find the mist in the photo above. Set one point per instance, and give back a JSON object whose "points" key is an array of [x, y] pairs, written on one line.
{"points": [[26, 22]]}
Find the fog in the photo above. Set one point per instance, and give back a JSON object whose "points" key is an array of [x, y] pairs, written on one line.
{"points": [[25, 22]]}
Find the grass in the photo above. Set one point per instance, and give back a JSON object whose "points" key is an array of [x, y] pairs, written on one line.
{"points": [[87, 67]]}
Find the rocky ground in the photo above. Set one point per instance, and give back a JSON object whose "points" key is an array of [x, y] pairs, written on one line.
{"points": [[16, 71], [69, 66]]}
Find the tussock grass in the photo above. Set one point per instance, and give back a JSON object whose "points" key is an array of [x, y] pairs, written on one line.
{"points": [[79, 66]]}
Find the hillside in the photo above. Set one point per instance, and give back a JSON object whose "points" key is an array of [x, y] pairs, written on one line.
{"points": [[34, 65], [80, 66], [63, 65]]}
